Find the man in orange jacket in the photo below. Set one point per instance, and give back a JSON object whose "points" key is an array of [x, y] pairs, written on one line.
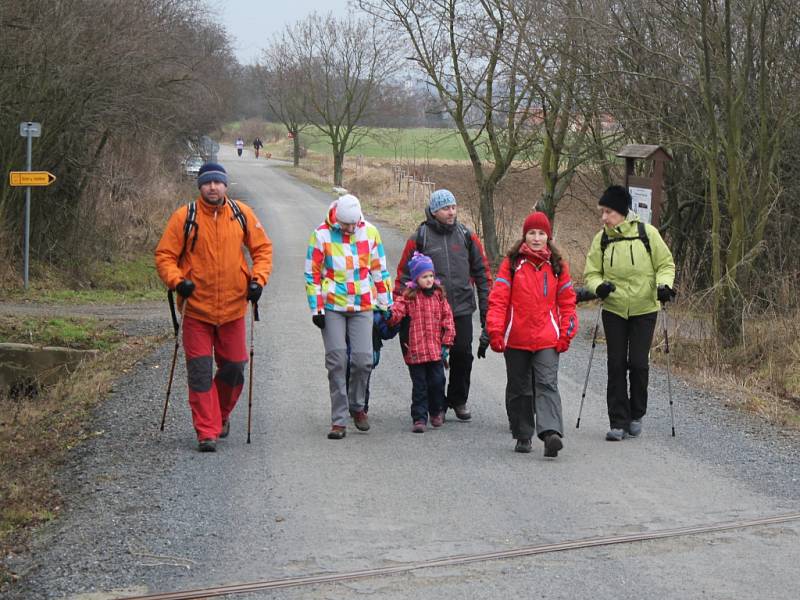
{"points": [[200, 256]]}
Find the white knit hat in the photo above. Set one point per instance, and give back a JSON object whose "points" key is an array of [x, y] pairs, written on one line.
{"points": [[348, 209]]}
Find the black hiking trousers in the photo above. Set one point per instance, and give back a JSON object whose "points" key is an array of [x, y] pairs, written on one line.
{"points": [[460, 362], [628, 344]]}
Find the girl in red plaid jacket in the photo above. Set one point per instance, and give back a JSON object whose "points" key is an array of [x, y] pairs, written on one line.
{"points": [[426, 335]]}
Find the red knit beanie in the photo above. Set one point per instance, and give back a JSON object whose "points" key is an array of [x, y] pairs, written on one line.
{"points": [[537, 220]]}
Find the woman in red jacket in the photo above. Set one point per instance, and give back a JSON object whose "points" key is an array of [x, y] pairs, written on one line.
{"points": [[532, 319]]}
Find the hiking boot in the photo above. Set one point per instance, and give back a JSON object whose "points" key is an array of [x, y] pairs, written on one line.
{"points": [[226, 429], [361, 421], [523, 445], [337, 432], [552, 444], [437, 420], [616, 435], [635, 428], [462, 413], [418, 427], [207, 445]]}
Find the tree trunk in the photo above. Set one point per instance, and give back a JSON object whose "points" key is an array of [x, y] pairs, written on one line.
{"points": [[296, 148], [338, 167], [488, 227]]}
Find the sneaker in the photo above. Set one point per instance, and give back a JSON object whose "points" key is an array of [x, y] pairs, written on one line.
{"points": [[616, 435], [207, 445], [361, 421], [523, 445], [437, 420], [419, 426], [226, 429], [552, 444], [635, 428], [462, 413], [337, 432]]}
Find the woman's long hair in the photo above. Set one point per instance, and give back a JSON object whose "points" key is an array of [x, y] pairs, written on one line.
{"points": [[555, 255]]}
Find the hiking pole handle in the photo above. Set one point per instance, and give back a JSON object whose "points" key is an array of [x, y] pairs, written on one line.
{"points": [[174, 359]]}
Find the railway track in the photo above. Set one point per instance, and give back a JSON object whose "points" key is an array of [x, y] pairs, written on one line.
{"points": [[292, 582]]}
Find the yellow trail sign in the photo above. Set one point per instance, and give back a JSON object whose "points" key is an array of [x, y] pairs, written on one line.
{"points": [[30, 178]]}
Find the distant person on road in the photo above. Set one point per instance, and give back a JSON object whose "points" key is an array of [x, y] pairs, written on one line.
{"points": [[239, 146], [203, 261], [430, 333], [257, 145], [532, 320], [462, 268], [630, 268], [346, 280]]}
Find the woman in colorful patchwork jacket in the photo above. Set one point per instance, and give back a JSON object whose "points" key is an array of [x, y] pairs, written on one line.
{"points": [[532, 320], [346, 279]]}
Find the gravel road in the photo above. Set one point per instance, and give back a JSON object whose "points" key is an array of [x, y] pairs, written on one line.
{"points": [[148, 513]]}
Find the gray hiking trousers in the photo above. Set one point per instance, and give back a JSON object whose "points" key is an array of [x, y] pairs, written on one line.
{"points": [[341, 328], [532, 393]]}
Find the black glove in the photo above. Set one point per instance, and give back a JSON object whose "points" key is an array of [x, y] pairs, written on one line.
{"points": [[319, 321], [483, 344], [665, 293], [604, 289], [254, 291], [584, 295], [185, 288]]}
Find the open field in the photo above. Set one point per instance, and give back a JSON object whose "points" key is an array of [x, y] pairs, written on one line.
{"points": [[375, 142]]}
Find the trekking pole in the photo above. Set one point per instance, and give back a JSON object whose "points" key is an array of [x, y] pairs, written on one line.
{"points": [[177, 325], [253, 317], [669, 379], [589, 368]]}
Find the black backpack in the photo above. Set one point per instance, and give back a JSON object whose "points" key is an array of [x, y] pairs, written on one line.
{"points": [[191, 223], [642, 231]]}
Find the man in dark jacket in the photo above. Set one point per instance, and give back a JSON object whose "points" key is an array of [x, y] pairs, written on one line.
{"points": [[463, 269]]}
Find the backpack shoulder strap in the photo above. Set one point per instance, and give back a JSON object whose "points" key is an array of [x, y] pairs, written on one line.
{"points": [[189, 225], [239, 215], [467, 236], [643, 237], [422, 236]]}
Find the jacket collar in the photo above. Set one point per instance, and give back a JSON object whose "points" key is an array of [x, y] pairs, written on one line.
{"points": [[628, 227]]}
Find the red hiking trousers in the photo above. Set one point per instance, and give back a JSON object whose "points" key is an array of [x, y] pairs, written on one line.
{"points": [[213, 398]]}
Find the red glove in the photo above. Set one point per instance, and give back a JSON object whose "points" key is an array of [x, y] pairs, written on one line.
{"points": [[562, 345], [496, 342]]}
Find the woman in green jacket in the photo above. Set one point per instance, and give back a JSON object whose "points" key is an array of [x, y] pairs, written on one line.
{"points": [[631, 270]]}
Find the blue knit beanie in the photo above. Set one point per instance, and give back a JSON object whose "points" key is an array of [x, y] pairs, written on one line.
{"points": [[440, 199], [212, 171], [419, 265]]}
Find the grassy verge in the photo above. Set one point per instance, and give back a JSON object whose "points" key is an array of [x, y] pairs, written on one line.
{"points": [[123, 281], [36, 433]]}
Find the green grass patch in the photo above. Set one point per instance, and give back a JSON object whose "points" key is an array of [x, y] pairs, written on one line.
{"points": [[122, 281], [397, 144], [78, 333]]}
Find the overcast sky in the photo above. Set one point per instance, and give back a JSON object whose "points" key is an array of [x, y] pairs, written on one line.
{"points": [[251, 23]]}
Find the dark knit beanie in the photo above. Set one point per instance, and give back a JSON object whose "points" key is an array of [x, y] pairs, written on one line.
{"points": [[537, 220], [616, 198], [212, 171]]}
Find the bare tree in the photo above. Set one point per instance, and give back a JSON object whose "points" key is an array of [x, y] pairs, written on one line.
{"points": [[718, 81], [101, 76], [472, 54], [341, 64], [280, 71]]}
